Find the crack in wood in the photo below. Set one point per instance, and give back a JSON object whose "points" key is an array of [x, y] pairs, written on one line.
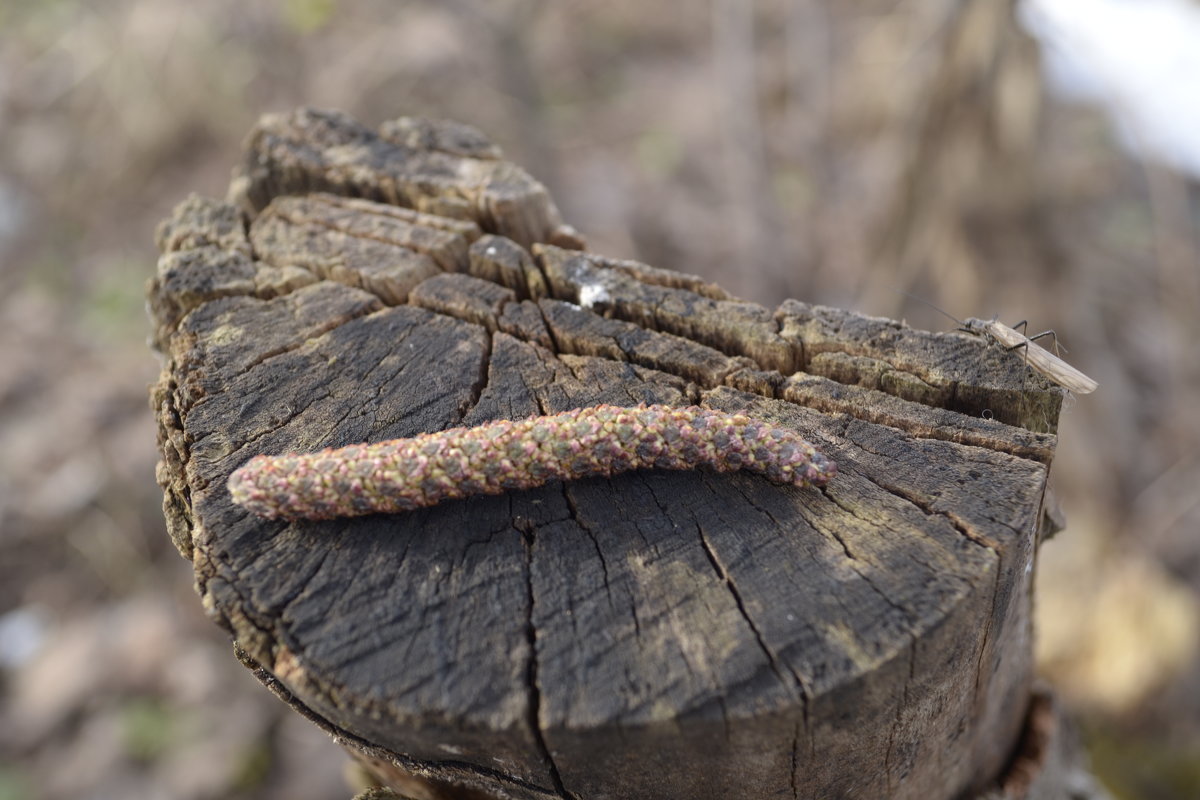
{"points": [[725, 577], [532, 686]]}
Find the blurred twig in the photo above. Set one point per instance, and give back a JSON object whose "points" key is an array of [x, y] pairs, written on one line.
{"points": [[750, 206]]}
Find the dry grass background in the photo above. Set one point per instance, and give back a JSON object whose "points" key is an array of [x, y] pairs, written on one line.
{"points": [[830, 152]]}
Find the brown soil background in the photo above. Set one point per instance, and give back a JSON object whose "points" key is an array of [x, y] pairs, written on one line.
{"points": [[831, 152]]}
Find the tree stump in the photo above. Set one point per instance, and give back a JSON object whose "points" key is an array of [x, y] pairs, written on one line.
{"points": [[650, 635]]}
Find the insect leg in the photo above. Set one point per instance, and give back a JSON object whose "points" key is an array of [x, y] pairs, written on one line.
{"points": [[1023, 327], [1057, 346]]}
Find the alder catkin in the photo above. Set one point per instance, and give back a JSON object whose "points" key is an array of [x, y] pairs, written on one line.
{"points": [[495, 457]]}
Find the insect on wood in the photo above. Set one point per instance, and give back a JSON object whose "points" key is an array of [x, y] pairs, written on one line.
{"points": [[1037, 357]]}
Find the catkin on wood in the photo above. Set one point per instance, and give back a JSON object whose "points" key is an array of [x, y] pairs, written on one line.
{"points": [[404, 474]]}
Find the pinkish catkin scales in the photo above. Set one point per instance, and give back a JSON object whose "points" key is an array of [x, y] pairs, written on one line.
{"points": [[403, 474]]}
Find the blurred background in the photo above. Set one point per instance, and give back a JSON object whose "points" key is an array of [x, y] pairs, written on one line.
{"points": [[1027, 160]]}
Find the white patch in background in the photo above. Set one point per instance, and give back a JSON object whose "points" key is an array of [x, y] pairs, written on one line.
{"points": [[1138, 59], [22, 632], [13, 212]]}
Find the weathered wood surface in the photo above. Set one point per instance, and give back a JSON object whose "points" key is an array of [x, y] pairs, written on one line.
{"points": [[653, 635], [1049, 764]]}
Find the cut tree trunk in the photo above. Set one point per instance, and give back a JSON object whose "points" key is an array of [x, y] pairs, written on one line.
{"points": [[651, 635]]}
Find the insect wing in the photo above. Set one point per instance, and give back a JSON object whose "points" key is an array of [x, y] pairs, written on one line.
{"points": [[1060, 371], [1043, 360]]}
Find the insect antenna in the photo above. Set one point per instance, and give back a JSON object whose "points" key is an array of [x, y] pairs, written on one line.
{"points": [[943, 312]]}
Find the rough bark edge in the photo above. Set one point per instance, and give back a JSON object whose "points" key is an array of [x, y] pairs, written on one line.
{"points": [[1050, 762], [393, 771]]}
